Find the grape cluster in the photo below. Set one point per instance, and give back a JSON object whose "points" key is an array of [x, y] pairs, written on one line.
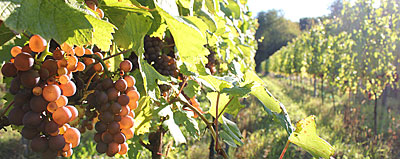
{"points": [[134, 59], [115, 102], [212, 61], [41, 85], [152, 47]]}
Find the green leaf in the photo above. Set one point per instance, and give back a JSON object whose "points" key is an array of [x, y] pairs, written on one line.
{"points": [[49, 19], [232, 130], [188, 39], [190, 124], [132, 33], [143, 116], [238, 91], [5, 34], [173, 128], [150, 77], [232, 108], [306, 137], [266, 98], [192, 88]]}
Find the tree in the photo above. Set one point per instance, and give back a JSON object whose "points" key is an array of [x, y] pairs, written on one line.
{"points": [[274, 32]]}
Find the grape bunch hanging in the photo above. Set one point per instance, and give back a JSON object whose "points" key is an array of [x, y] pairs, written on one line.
{"points": [[44, 83]]}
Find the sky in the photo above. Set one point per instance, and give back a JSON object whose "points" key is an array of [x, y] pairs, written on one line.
{"points": [[292, 9]]}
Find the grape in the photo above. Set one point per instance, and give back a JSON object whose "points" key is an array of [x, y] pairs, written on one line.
{"points": [[97, 137], [100, 13], [39, 144], [51, 127], [62, 115], [62, 63], [99, 55], [52, 107], [106, 137], [115, 108], [51, 66], [23, 62], [117, 118], [68, 89], [100, 127], [62, 101], [79, 51], [124, 110], [107, 83], [30, 78], [67, 147], [38, 104], [9, 70], [49, 154], [107, 117], [15, 86], [98, 67], [29, 133], [91, 4], [32, 119], [72, 135], [101, 97], [128, 133], [126, 66], [80, 66], [124, 148], [15, 116], [88, 52], [121, 85], [37, 43], [112, 94], [113, 128], [16, 50], [105, 107], [119, 138], [62, 71], [123, 99], [74, 112], [130, 81], [101, 147], [133, 95], [113, 148], [58, 54], [126, 122], [88, 61], [26, 49], [51, 92], [64, 79], [44, 73], [56, 143]]}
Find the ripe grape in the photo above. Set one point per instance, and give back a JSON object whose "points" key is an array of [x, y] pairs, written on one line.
{"points": [[15, 116], [62, 115], [56, 143], [72, 135], [130, 80], [68, 89], [23, 62], [121, 85], [126, 66], [29, 78], [51, 92], [39, 144], [37, 43], [9, 70], [101, 147], [32, 119], [16, 50]]}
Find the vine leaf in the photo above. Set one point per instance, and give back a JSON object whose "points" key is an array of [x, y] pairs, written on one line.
{"points": [[230, 133], [186, 121], [306, 137], [173, 128], [5, 34], [49, 19], [188, 39], [232, 108], [143, 116], [192, 88], [150, 77]]}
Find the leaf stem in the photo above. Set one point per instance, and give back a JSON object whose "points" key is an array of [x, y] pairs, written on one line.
{"points": [[216, 123], [8, 107], [88, 82], [180, 90], [122, 52], [284, 149], [226, 105]]}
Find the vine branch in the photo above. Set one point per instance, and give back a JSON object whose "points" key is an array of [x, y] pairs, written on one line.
{"points": [[208, 123], [122, 52], [8, 107]]}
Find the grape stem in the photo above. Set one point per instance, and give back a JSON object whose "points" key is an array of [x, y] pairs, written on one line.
{"points": [[44, 54], [122, 52], [216, 123], [8, 107], [226, 105], [183, 85], [90, 79], [209, 125]]}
